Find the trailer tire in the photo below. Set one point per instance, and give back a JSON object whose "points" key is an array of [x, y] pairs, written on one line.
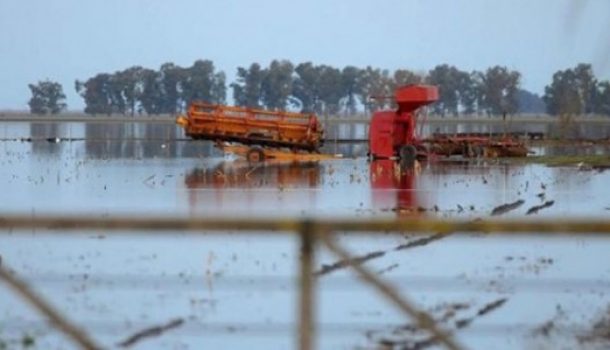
{"points": [[255, 155], [408, 155]]}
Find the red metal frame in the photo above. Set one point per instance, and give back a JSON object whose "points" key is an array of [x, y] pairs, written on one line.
{"points": [[393, 133], [390, 130]]}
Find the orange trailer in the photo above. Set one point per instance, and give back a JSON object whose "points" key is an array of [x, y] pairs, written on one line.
{"points": [[248, 126]]}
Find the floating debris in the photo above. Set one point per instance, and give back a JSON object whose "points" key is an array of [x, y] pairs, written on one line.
{"points": [[150, 332], [387, 269], [481, 312], [345, 263], [505, 208], [410, 336], [421, 241], [536, 208], [600, 332]]}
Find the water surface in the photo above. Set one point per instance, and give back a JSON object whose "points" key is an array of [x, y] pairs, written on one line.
{"points": [[238, 290]]}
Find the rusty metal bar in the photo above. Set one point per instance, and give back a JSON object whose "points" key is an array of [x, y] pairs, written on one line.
{"points": [[422, 319], [145, 223], [283, 226], [306, 325], [77, 335]]}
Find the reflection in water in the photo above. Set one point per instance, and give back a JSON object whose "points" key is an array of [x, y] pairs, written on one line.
{"points": [[386, 176], [43, 135], [347, 150], [577, 130], [225, 177], [240, 174], [140, 140]]}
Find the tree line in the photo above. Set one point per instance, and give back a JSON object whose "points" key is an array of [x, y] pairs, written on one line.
{"points": [[325, 90], [142, 90]]}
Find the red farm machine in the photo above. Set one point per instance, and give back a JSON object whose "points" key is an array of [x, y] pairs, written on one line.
{"points": [[259, 134], [392, 133]]}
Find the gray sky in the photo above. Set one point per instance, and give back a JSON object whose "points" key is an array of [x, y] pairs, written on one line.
{"points": [[64, 40]]}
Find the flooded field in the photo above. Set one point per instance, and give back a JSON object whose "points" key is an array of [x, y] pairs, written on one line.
{"points": [[239, 290]]}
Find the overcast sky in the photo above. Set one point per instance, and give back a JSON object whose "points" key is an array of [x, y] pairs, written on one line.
{"points": [[64, 40]]}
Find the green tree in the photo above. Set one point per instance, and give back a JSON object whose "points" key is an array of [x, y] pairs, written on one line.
{"points": [[448, 79], [152, 99], [96, 93], [219, 88], [247, 88], [469, 91], [115, 93], [405, 77], [330, 89], [586, 84], [47, 98], [562, 96], [376, 89], [171, 76], [499, 89], [126, 90], [351, 86], [305, 87], [276, 86], [202, 83], [530, 102], [602, 103]]}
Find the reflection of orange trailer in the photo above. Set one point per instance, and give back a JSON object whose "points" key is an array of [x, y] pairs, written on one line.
{"points": [[224, 178], [240, 175], [252, 126]]}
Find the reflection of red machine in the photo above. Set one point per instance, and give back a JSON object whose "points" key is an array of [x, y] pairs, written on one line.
{"points": [[392, 133], [394, 186]]}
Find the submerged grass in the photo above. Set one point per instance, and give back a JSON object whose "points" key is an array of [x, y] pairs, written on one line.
{"points": [[565, 160]]}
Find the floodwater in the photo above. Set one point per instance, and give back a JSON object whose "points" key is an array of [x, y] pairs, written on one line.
{"points": [[582, 129], [239, 290]]}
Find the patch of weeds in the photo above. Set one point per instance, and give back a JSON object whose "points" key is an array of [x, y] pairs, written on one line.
{"points": [[564, 160], [27, 341]]}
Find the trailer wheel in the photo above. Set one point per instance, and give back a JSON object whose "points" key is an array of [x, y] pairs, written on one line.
{"points": [[408, 155], [255, 155]]}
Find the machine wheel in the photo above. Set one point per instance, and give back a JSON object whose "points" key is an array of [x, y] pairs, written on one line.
{"points": [[255, 155], [408, 155]]}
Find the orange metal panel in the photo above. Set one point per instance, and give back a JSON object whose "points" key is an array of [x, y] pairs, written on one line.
{"points": [[253, 126]]}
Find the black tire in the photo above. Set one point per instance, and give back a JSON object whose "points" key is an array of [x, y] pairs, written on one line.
{"points": [[255, 155], [408, 155]]}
